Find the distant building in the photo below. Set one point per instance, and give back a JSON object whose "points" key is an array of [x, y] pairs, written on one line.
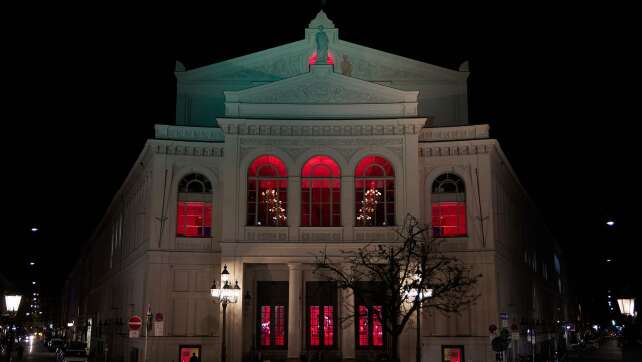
{"points": [[267, 164]]}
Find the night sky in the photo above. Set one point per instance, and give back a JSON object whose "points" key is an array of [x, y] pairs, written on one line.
{"points": [[560, 88]]}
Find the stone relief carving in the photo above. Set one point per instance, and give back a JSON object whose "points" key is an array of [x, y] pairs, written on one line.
{"points": [[324, 131], [282, 67], [320, 236], [308, 142], [364, 69], [318, 92], [189, 150], [454, 150], [346, 66]]}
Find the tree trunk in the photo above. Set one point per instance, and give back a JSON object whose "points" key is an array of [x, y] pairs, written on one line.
{"points": [[394, 351]]}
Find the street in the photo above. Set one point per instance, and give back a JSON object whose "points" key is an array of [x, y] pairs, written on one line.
{"points": [[35, 351], [608, 351]]}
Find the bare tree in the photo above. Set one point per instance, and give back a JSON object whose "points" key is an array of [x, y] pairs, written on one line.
{"points": [[409, 274]]}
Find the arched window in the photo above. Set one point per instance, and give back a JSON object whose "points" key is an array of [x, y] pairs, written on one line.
{"points": [[374, 192], [267, 192], [321, 192], [194, 217], [448, 206]]}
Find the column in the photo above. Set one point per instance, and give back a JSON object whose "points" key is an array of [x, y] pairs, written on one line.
{"points": [[294, 206], [295, 311], [348, 340], [347, 206]]}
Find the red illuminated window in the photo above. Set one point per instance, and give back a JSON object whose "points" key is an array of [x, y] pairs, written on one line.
{"points": [[194, 219], [265, 325], [452, 353], [321, 306], [370, 329], [194, 208], [186, 353], [272, 311], [320, 192], [374, 192], [272, 328], [267, 192], [448, 206]]}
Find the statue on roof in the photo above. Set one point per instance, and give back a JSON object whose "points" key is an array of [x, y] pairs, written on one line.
{"points": [[322, 46]]}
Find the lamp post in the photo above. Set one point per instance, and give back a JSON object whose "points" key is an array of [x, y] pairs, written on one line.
{"points": [[12, 302], [417, 294], [627, 306], [224, 295]]}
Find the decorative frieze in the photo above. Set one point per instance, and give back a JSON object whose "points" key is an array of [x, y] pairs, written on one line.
{"points": [[348, 128], [455, 149], [186, 149], [184, 133], [321, 234], [317, 142], [266, 234], [454, 133], [383, 234]]}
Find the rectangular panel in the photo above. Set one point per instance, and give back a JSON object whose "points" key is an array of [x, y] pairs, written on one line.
{"points": [[181, 280], [180, 316]]}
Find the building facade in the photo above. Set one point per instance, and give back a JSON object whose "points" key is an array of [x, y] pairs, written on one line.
{"points": [[272, 160]]}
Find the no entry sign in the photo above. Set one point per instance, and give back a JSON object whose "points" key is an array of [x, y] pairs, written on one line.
{"points": [[135, 323]]}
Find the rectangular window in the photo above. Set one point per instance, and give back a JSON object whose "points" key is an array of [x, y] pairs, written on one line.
{"points": [[185, 353], [194, 219], [320, 202], [369, 325], [321, 299], [265, 325], [452, 353], [449, 219], [272, 311], [363, 326]]}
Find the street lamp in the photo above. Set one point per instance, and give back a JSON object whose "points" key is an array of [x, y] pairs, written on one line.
{"points": [[224, 295], [417, 294], [627, 306], [13, 303]]}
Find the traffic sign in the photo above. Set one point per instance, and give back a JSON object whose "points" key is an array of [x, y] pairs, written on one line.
{"points": [[135, 323]]}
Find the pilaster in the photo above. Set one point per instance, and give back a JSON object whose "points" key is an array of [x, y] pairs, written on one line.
{"points": [[295, 311]]}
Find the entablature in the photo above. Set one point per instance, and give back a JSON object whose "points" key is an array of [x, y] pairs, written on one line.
{"points": [[322, 128]]}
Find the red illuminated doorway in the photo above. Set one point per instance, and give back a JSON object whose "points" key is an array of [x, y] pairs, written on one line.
{"points": [[452, 353], [189, 353]]}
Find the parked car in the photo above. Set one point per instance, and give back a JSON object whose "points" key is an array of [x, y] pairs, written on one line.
{"points": [[73, 352]]}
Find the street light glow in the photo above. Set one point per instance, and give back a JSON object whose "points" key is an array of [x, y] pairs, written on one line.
{"points": [[34, 229], [610, 223], [32, 263]]}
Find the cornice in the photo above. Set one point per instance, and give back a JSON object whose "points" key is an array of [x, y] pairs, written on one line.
{"points": [[439, 134], [180, 148], [456, 148], [185, 133], [322, 128]]}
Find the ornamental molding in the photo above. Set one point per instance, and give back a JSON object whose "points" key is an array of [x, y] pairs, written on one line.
{"points": [[320, 93], [454, 133], [458, 149], [349, 128], [186, 149], [186, 133], [321, 86], [321, 142]]}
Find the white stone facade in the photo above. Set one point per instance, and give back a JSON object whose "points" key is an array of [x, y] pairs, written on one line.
{"points": [[275, 103]]}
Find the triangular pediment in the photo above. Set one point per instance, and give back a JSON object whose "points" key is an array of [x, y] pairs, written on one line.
{"points": [[350, 59], [318, 91]]}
